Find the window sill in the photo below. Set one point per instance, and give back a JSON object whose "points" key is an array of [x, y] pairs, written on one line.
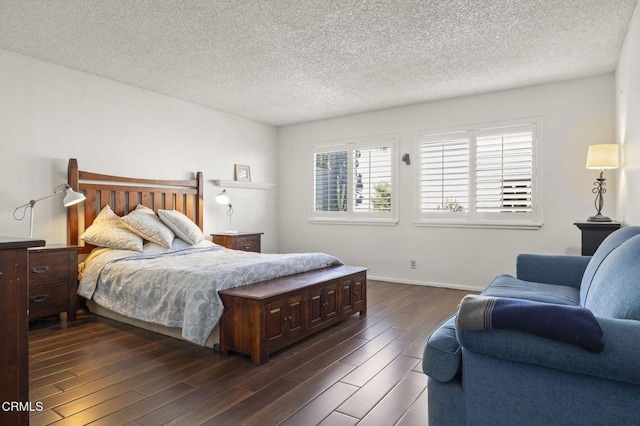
{"points": [[533, 225], [353, 221]]}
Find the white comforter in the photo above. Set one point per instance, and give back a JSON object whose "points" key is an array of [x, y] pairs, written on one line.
{"points": [[178, 287]]}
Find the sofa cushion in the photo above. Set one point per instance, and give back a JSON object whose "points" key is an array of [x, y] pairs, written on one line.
{"points": [[615, 288], [442, 355], [606, 248], [508, 286]]}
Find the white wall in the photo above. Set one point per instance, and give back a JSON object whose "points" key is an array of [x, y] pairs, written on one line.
{"points": [[575, 114], [49, 113], [628, 123]]}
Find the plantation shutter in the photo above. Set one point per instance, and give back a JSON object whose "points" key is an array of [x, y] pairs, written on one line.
{"points": [[331, 181], [485, 177], [444, 173], [372, 179], [354, 181], [504, 170]]}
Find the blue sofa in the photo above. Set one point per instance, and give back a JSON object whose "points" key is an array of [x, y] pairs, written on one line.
{"points": [[512, 377]]}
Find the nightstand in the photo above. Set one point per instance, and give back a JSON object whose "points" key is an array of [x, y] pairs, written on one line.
{"points": [[593, 233], [53, 281], [247, 241]]}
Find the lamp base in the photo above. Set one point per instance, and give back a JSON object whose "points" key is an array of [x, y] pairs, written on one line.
{"points": [[230, 231], [599, 218]]}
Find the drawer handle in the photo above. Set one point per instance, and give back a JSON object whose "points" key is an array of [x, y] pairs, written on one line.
{"points": [[246, 247], [40, 269], [40, 298]]}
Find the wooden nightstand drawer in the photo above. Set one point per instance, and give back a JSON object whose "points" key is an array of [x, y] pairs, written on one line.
{"points": [[48, 266], [247, 243], [48, 299], [53, 281], [242, 241]]}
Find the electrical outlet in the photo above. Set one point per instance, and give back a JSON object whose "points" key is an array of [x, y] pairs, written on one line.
{"points": [[412, 264]]}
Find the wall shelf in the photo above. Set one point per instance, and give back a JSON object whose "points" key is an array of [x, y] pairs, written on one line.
{"points": [[237, 184]]}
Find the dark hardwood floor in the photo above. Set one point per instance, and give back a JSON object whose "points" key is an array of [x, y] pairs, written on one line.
{"points": [[364, 371]]}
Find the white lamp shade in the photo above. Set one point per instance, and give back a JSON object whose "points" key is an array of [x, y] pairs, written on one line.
{"points": [[72, 197], [603, 156], [222, 198]]}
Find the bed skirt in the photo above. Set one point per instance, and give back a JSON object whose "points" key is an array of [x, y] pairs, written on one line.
{"points": [[212, 341]]}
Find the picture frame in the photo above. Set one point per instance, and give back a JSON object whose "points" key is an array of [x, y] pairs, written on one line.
{"points": [[242, 173]]}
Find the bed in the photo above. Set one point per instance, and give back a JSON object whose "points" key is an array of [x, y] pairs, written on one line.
{"points": [[165, 286]]}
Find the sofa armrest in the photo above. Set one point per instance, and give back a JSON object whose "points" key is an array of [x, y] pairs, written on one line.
{"points": [[617, 361], [442, 355], [552, 269]]}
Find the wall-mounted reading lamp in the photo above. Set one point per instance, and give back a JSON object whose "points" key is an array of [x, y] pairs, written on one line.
{"points": [[71, 197], [223, 199]]}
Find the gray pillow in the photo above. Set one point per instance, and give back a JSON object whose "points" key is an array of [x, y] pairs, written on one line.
{"points": [[181, 225], [107, 230], [144, 222]]}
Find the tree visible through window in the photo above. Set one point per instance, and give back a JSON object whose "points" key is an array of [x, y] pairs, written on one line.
{"points": [[372, 168]]}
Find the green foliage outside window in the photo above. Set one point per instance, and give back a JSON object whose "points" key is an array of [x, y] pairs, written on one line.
{"points": [[382, 199]]}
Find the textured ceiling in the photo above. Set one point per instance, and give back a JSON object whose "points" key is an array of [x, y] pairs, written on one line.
{"points": [[288, 61]]}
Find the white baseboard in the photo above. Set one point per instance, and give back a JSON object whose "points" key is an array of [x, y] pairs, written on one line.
{"points": [[425, 283]]}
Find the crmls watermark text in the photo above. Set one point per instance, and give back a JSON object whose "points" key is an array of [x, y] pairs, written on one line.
{"points": [[22, 406]]}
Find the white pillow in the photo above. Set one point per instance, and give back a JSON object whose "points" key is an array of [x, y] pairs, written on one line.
{"points": [[144, 222], [107, 230], [181, 225]]}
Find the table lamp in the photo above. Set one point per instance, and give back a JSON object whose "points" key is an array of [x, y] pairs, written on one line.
{"points": [[71, 197], [601, 157], [223, 199]]}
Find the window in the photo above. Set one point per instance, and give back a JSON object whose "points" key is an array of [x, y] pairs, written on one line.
{"points": [[480, 177], [354, 181]]}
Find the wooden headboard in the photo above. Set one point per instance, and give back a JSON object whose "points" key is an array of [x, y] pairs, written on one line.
{"points": [[123, 194]]}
